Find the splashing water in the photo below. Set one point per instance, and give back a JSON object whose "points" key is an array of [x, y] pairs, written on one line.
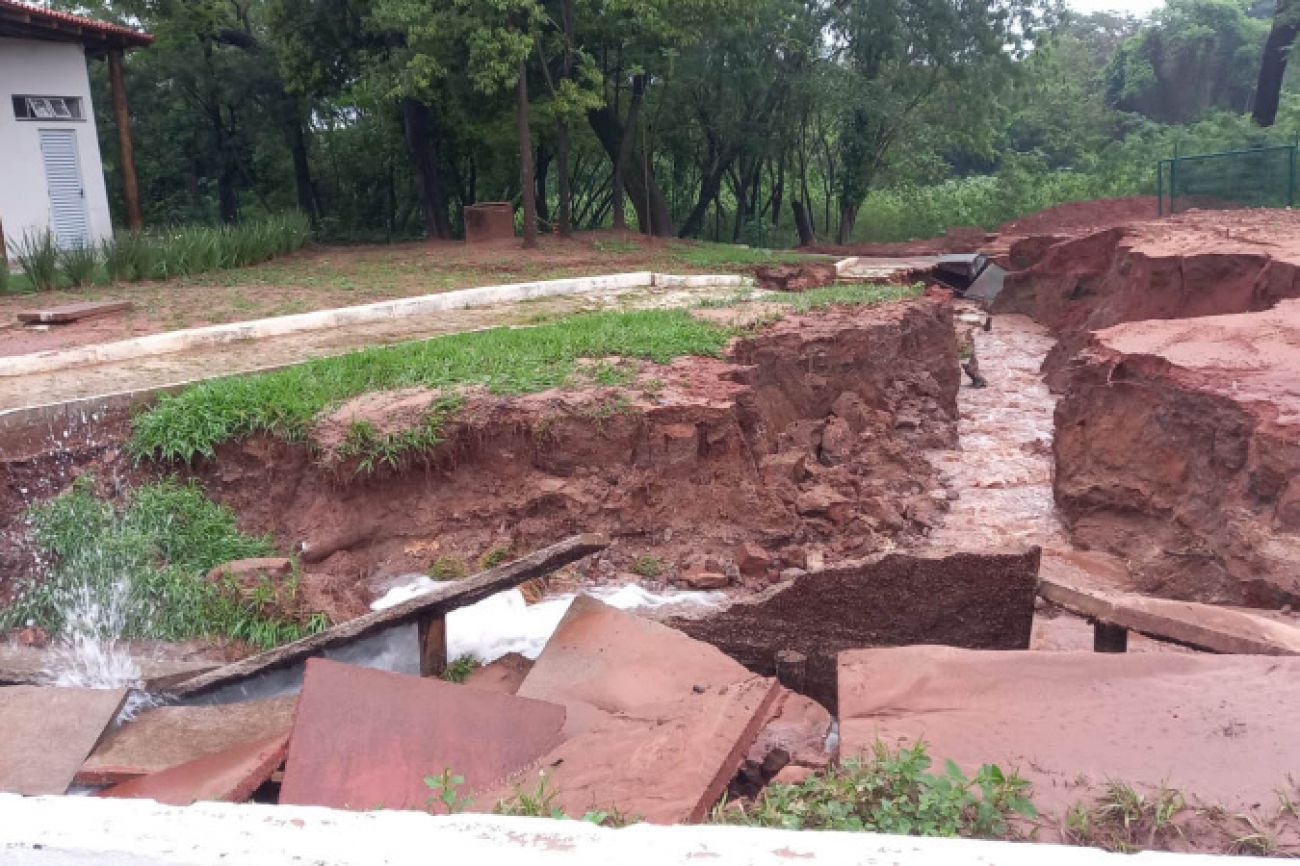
{"points": [[89, 651]]}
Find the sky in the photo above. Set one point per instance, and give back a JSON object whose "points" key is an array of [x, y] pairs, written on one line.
{"points": [[1136, 7]]}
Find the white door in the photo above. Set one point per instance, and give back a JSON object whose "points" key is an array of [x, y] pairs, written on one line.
{"points": [[68, 216]]}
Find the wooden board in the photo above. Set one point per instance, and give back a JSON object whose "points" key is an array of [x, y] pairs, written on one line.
{"points": [[441, 601], [66, 313]]}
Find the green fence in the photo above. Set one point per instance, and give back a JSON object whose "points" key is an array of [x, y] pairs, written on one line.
{"points": [[1258, 177]]}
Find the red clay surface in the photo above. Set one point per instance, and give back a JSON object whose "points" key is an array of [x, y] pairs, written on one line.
{"points": [[230, 776], [1218, 727], [1176, 448], [366, 739]]}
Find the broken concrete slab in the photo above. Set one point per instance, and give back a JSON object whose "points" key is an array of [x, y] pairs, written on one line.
{"points": [[286, 662], [973, 600], [505, 675], [66, 313], [1221, 728], [658, 723], [1200, 626], [48, 732], [364, 738], [797, 726], [25, 665], [164, 737], [230, 775]]}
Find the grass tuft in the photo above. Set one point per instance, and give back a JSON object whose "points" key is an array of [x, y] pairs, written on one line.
{"points": [[80, 265], [148, 562], [503, 360], [37, 256]]}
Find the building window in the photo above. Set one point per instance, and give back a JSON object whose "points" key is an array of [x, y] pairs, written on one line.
{"points": [[47, 108]]}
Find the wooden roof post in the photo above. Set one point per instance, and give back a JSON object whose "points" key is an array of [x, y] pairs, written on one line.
{"points": [[130, 185]]}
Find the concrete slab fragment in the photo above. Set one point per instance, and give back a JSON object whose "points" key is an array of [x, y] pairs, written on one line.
{"points": [[504, 675], [21, 665], [1202, 626], [230, 776], [364, 738], [47, 733], [988, 285], [166, 737], [658, 723], [72, 312], [1221, 728]]}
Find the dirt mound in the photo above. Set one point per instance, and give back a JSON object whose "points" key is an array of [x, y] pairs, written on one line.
{"points": [[805, 442], [1076, 217], [1176, 447]]}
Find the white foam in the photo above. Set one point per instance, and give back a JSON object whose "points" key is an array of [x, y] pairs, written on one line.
{"points": [[506, 623]]}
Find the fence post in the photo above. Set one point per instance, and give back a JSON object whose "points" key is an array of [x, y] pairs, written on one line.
{"points": [[1290, 184], [1160, 188], [1173, 183]]}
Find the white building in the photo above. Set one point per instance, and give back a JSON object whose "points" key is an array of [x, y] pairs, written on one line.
{"points": [[51, 177]]}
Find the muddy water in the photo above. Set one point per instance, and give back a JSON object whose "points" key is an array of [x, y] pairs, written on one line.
{"points": [[1000, 479]]}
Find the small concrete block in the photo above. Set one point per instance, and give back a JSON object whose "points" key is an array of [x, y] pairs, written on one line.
{"points": [[230, 776], [364, 739], [46, 733]]}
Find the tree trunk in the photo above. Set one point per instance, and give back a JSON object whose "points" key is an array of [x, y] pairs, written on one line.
{"points": [[1272, 67], [526, 161], [609, 130], [302, 170], [848, 216], [419, 144], [542, 168], [803, 223], [710, 185], [621, 161], [568, 22]]}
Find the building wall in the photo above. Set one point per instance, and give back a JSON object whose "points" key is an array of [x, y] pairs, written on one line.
{"points": [[40, 68]]}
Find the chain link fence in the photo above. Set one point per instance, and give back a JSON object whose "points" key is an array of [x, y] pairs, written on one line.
{"points": [[1258, 177]]}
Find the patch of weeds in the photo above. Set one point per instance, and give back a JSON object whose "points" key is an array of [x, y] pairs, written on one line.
{"points": [[449, 566], [445, 791], [653, 387], [892, 792], [372, 449], [647, 566], [146, 563], [284, 403], [494, 556], [702, 254], [1126, 820], [740, 296], [459, 669], [539, 802], [608, 373], [607, 409]]}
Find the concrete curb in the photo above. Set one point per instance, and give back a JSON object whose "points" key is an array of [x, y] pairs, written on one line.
{"points": [[179, 341]]}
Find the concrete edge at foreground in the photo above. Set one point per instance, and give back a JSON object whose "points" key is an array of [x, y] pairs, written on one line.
{"points": [[192, 338], [61, 831]]}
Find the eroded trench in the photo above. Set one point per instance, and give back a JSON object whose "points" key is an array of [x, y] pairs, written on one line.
{"points": [[832, 483]]}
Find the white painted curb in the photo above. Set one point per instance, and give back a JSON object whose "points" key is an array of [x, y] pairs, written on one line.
{"points": [[191, 338], [77, 831]]}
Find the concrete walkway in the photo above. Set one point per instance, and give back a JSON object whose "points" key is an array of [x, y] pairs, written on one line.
{"points": [[157, 372]]}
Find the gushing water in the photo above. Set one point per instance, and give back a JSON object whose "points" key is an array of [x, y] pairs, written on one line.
{"points": [[89, 652]]}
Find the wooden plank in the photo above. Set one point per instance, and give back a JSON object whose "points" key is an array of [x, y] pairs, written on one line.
{"points": [[433, 645], [1199, 626], [72, 312], [445, 599]]}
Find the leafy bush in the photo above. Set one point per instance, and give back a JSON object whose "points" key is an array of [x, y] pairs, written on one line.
{"points": [[38, 256], [459, 669], [149, 561], [184, 251], [892, 792], [80, 264]]}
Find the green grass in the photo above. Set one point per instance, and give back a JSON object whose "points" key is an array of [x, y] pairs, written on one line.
{"points": [[459, 669], [505, 361], [713, 255], [372, 449], [148, 561], [37, 256], [847, 294], [892, 792]]}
